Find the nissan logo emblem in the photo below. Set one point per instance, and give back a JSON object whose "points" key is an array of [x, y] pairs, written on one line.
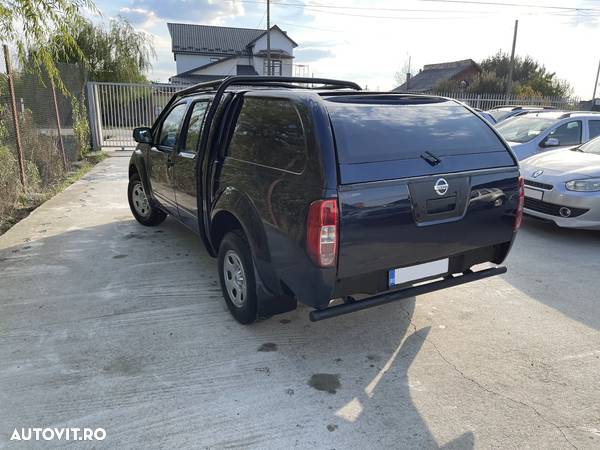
{"points": [[441, 186], [537, 173]]}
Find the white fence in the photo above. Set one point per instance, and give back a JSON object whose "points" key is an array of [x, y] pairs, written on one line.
{"points": [[115, 109], [489, 101]]}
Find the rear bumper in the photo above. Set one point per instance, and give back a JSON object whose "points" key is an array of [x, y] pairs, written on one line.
{"points": [[378, 281], [392, 296]]}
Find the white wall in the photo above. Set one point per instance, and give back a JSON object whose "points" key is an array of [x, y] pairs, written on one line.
{"points": [[227, 67], [278, 42], [287, 66], [188, 62]]}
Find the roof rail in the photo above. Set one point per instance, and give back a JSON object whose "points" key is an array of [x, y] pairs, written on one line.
{"points": [[219, 86], [276, 81], [570, 113], [506, 106], [519, 107]]}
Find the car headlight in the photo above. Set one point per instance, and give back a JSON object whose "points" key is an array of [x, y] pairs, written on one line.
{"points": [[589, 185]]}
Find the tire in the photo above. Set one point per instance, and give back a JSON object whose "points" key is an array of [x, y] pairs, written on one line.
{"points": [[141, 208], [239, 293]]}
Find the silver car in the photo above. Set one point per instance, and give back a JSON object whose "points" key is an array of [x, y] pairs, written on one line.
{"points": [[564, 186], [534, 133]]}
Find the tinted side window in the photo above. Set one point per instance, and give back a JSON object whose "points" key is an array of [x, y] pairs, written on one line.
{"points": [[195, 127], [594, 128], [269, 132], [568, 133], [170, 126]]}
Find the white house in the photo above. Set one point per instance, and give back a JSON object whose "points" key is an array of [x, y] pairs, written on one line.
{"points": [[204, 53]]}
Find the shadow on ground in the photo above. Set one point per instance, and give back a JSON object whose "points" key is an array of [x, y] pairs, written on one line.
{"points": [[571, 261], [125, 327]]}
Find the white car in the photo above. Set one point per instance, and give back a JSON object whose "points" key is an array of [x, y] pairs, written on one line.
{"points": [[563, 186], [536, 132]]}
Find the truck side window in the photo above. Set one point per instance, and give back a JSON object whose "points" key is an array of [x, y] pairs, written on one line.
{"points": [[269, 132], [194, 128], [170, 126]]}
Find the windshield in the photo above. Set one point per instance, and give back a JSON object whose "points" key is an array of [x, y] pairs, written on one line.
{"points": [[524, 128], [592, 146]]}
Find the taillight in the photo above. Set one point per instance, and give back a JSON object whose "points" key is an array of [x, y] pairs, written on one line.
{"points": [[520, 203], [322, 232]]}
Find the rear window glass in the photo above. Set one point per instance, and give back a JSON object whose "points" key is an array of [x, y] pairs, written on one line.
{"points": [[499, 114], [370, 133], [269, 132]]}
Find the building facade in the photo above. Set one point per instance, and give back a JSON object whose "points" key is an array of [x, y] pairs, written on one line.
{"points": [[204, 52]]}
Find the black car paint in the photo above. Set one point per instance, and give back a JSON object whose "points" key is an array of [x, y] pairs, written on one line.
{"points": [[271, 207]]}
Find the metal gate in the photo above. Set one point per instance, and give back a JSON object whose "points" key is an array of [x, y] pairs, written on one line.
{"points": [[115, 109]]}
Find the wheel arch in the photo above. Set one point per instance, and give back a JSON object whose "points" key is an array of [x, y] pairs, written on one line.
{"points": [[136, 165], [233, 209]]}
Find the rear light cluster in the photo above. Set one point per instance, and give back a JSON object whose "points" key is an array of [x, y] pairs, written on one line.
{"points": [[520, 203], [323, 232]]}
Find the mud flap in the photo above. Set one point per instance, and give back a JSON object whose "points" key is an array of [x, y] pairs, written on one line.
{"points": [[269, 304]]}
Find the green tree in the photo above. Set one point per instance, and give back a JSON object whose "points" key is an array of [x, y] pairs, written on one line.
{"points": [[116, 52], [32, 23], [528, 76]]}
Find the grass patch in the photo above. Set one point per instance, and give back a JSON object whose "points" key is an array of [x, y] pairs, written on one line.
{"points": [[29, 201]]}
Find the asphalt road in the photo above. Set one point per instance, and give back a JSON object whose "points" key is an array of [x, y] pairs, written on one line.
{"points": [[105, 323]]}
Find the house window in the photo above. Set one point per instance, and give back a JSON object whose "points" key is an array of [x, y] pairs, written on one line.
{"points": [[275, 67]]}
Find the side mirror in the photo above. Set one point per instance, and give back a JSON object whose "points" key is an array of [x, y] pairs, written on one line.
{"points": [[143, 135], [550, 142]]}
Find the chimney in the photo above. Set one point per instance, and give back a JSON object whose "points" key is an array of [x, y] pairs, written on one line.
{"points": [[407, 79]]}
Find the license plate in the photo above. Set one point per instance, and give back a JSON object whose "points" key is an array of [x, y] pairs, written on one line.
{"points": [[418, 272], [533, 193]]}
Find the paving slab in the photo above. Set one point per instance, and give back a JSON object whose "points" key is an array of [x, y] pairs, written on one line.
{"points": [[105, 323]]}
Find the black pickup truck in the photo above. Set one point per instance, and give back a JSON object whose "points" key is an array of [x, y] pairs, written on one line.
{"points": [[311, 190]]}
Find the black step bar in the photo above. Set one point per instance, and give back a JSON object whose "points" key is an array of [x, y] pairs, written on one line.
{"points": [[388, 297]]}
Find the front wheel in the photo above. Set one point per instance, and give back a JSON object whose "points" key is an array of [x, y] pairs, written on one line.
{"points": [[142, 210], [236, 272]]}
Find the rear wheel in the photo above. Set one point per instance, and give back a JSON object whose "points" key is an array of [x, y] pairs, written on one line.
{"points": [[142, 210], [236, 272]]}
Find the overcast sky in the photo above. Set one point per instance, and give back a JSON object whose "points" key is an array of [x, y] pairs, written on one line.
{"points": [[368, 41]]}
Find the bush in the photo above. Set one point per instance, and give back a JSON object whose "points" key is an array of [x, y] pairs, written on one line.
{"points": [[41, 151], [10, 185]]}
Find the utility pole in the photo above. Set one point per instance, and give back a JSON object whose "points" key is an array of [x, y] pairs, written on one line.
{"points": [[596, 85], [408, 74], [512, 62], [268, 37]]}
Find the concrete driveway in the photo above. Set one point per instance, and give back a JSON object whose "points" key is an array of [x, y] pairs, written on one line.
{"points": [[105, 323]]}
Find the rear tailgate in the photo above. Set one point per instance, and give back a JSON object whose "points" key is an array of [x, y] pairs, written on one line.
{"points": [[419, 182]]}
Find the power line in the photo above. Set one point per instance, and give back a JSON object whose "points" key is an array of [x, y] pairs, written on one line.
{"points": [[466, 2], [473, 2]]}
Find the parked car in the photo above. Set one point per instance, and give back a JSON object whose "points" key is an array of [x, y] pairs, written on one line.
{"points": [[312, 195], [501, 113], [486, 115], [533, 133], [563, 186]]}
